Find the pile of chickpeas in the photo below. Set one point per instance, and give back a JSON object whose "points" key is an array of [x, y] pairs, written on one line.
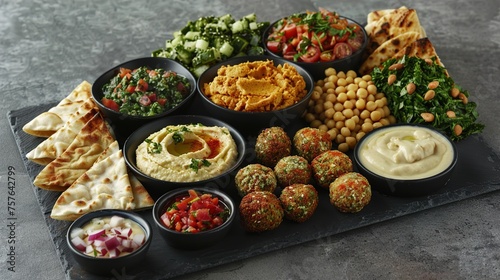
{"points": [[347, 107]]}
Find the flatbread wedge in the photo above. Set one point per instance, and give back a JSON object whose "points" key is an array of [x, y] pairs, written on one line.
{"points": [[80, 155], [374, 16], [47, 123], [421, 48], [142, 198], [105, 185], [387, 50], [392, 25], [58, 142]]}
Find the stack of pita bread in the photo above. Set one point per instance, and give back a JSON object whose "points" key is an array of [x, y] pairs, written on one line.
{"points": [[82, 159], [393, 33]]}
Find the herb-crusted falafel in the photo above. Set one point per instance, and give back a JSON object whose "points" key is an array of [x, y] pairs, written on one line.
{"points": [[350, 192], [329, 165], [299, 202], [293, 170], [310, 142], [255, 177], [260, 211], [271, 145]]}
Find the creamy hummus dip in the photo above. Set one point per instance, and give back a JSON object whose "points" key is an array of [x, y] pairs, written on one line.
{"points": [[187, 153], [406, 152]]}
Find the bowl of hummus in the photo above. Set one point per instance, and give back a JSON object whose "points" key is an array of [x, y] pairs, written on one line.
{"points": [[252, 92], [184, 151], [406, 159]]}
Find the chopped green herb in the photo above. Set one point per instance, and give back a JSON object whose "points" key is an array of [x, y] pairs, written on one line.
{"points": [[153, 147], [196, 164], [408, 107]]}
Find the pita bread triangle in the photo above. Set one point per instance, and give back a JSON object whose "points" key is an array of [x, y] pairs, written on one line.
{"points": [[58, 142], [142, 197], [421, 48], [47, 123], [104, 186], [374, 16], [91, 141], [393, 24], [387, 50]]}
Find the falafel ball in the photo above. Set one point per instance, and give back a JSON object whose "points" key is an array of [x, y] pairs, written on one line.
{"points": [[299, 202], [255, 177], [293, 170], [310, 142], [329, 165], [350, 192], [260, 211], [271, 145]]}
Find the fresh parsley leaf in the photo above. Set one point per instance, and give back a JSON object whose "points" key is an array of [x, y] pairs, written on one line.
{"points": [[153, 147], [196, 164], [407, 108]]}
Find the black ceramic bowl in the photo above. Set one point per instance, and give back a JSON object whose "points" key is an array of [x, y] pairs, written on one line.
{"points": [[158, 187], [199, 240], [124, 124], [405, 184], [317, 69], [254, 121], [108, 266]]}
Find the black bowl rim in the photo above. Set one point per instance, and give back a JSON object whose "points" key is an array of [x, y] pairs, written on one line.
{"points": [[276, 60], [165, 198], [430, 178], [265, 34], [147, 60], [143, 130], [82, 220]]}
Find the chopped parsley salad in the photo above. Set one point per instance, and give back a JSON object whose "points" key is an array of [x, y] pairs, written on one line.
{"points": [[447, 108], [145, 92]]}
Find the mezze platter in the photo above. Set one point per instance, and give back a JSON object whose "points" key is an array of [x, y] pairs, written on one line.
{"points": [[476, 173]]}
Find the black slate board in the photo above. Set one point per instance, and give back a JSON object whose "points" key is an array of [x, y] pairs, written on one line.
{"points": [[477, 173]]}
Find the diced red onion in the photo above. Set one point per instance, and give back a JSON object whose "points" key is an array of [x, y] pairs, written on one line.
{"points": [[112, 242], [96, 234], [79, 243]]}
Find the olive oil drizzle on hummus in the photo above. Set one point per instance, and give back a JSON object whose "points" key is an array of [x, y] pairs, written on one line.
{"points": [[187, 153]]}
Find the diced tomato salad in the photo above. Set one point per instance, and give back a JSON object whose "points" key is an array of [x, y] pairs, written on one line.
{"points": [[315, 36], [195, 212]]}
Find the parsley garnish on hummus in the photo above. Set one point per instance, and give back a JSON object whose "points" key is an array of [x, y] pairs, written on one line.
{"points": [[197, 163], [178, 135], [153, 147]]}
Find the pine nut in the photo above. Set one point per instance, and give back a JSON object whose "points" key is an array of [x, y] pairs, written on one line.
{"points": [[433, 85], [428, 117], [410, 88], [429, 95], [396, 66], [457, 129], [391, 79]]}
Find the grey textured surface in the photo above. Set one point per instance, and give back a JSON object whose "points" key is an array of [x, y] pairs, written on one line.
{"points": [[48, 47]]}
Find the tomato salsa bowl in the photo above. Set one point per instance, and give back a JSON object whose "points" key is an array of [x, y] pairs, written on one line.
{"points": [[141, 90], [317, 41], [105, 242], [193, 218]]}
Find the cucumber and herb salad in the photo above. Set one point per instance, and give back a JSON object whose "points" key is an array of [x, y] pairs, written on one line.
{"points": [[421, 91], [208, 40]]}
